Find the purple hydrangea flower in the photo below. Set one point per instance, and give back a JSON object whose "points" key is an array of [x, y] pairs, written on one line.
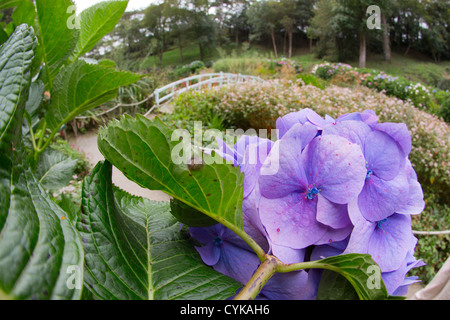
{"points": [[304, 201], [387, 241], [326, 187], [386, 186]]}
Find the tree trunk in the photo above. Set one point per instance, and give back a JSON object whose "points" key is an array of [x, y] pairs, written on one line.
{"points": [[386, 39], [201, 51], [274, 43], [284, 43], [362, 50], [181, 48], [290, 44]]}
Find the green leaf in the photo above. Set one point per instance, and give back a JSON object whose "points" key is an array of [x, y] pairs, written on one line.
{"points": [[35, 97], [188, 215], [57, 35], [80, 87], [357, 269], [37, 246], [24, 13], [135, 249], [54, 169], [333, 286], [9, 3], [96, 22], [16, 56], [142, 150]]}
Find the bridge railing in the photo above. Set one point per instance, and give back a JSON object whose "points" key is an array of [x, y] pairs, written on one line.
{"points": [[167, 92]]}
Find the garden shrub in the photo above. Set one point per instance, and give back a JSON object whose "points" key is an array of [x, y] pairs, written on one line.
{"points": [[188, 69], [305, 79], [245, 65], [400, 87], [443, 98]]}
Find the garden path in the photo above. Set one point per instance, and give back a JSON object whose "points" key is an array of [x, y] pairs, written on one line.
{"points": [[87, 144]]}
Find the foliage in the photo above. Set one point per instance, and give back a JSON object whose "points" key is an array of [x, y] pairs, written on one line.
{"points": [[435, 250], [188, 69], [310, 79], [421, 96], [35, 261]]}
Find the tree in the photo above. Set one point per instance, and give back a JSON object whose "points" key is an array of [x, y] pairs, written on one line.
{"points": [[264, 17], [156, 21]]}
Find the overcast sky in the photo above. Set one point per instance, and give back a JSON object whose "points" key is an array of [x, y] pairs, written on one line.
{"points": [[132, 4]]}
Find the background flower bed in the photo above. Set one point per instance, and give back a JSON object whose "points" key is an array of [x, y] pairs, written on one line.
{"points": [[430, 99], [257, 106]]}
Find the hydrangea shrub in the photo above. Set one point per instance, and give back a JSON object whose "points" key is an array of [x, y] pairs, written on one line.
{"points": [[341, 186]]}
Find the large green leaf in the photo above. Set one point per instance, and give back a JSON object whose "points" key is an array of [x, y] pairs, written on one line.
{"points": [[58, 38], [54, 169], [142, 150], [82, 86], [354, 269], [9, 3], [24, 13], [136, 250], [96, 22], [41, 254], [38, 246], [16, 56]]}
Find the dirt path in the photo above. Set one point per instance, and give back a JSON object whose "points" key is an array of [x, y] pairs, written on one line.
{"points": [[87, 144]]}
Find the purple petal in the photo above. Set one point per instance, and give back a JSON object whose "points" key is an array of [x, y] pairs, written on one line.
{"points": [[394, 279], [291, 221], [335, 235], [336, 167], [250, 208], [328, 250], [317, 120], [379, 199], [353, 131], [416, 203], [288, 286], [285, 123], [362, 231], [288, 255], [332, 214], [382, 155], [282, 172], [390, 242], [399, 132], [255, 155], [368, 116], [237, 263]]}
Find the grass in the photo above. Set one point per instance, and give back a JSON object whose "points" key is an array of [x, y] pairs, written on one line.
{"points": [[418, 70], [172, 58]]}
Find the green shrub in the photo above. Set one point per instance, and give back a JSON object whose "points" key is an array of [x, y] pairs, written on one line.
{"points": [[309, 79], [433, 249], [444, 84], [443, 98], [255, 66], [188, 69]]}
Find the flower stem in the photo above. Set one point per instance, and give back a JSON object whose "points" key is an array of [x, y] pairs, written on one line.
{"points": [[263, 274]]}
